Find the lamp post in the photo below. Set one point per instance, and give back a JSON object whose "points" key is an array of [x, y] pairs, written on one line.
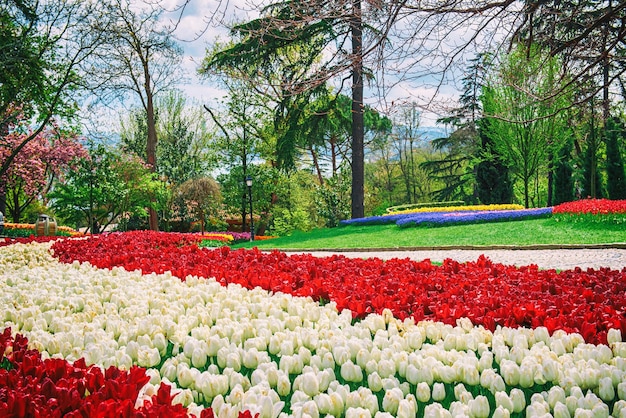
{"points": [[249, 184]]}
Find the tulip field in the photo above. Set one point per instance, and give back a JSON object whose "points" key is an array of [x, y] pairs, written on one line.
{"points": [[148, 324]]}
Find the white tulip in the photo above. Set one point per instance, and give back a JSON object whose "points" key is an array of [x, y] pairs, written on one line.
{"points": [[183, 397], [374, 382], [391, 400], [184, 376], [504, 401], [336, 404], [519, 400], [386, 368], [422, 392], [353, 400], [362, 357], [479, 407], [439, 392], [560, 410], [358, 413], [283, 385], [406, 409], [556, 394], [310, 384], [461, 394], [350, 372], [415, 339], [621, 391], [148, 357], [310, 409], [606, 390], [501, 412]]}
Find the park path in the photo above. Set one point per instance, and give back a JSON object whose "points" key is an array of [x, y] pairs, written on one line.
{"points": [[553, 258]]}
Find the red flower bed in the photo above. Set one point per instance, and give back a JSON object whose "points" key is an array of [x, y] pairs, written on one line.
{"points": [[591, 206], [589, 302], [8, 241], [32, 387]]}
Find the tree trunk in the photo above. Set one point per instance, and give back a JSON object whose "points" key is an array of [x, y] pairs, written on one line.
{"points": [[358, 157], [151, 143]]}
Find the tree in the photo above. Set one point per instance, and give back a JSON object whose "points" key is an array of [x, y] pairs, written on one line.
{"points": [[43, 45], [184, 150], [140, 58], [523, 130], [318, 27], [563, 175], [615, 133], [106, 188], [40, 161], [201, 196]]}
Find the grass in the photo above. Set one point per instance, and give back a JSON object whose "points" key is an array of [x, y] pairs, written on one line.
{"points": [[514, 233]]}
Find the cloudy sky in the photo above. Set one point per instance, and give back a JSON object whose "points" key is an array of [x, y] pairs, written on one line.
{"points": [[204, 21]]}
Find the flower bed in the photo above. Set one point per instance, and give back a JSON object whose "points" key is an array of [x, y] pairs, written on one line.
{"points": [[470, 208], [592, 206], [227, 344], [439, 218]]}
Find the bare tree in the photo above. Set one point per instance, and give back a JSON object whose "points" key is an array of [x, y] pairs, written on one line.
{"points": [[140, 59]]}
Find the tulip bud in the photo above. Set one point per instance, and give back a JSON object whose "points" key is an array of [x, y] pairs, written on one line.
{"points": [[503, 400], [184, 376], [501, 412], [391, 400], [336, 404], [406, 409], [621, 391], [310, 384], [198, 358], [310, 409], [358, 413], [374, 382], [614, 336], [519, 400], [148, 357], [479, 407], [556, 394], [386, 368], [439, 392], [283, 386], [422, 392], [184, 397], [606, 390], [526, 376], [561, 411]]}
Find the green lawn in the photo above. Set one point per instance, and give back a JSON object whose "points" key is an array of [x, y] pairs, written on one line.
{"points": [[512, 233]]}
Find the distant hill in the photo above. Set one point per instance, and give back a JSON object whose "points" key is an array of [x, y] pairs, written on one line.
{"points": [[428, 133]]}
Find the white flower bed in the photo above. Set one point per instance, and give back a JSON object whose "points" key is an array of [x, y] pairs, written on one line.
{"points": [[277, 355]]}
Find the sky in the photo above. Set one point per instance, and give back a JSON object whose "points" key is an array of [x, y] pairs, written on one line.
{"points": [[204, 21]]}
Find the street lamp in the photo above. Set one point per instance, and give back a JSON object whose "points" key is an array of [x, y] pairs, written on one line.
{"points": [[249, 184]]}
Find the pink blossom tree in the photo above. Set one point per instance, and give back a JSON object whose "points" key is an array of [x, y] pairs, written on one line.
{"points": [[36, 165]]}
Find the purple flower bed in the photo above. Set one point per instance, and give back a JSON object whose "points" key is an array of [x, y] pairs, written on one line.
{"points": [[382, 220], [444, 218], [437, 219]]}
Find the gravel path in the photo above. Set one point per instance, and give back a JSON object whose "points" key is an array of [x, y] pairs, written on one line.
{"points": [[561, 259]]}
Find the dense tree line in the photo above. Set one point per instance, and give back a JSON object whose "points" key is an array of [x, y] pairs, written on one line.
{"points": [[539, 121]]}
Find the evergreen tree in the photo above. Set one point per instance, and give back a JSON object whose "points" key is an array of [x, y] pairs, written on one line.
{"points": [[616, 180], [588, 163], [493, 182], [563, 179]]}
